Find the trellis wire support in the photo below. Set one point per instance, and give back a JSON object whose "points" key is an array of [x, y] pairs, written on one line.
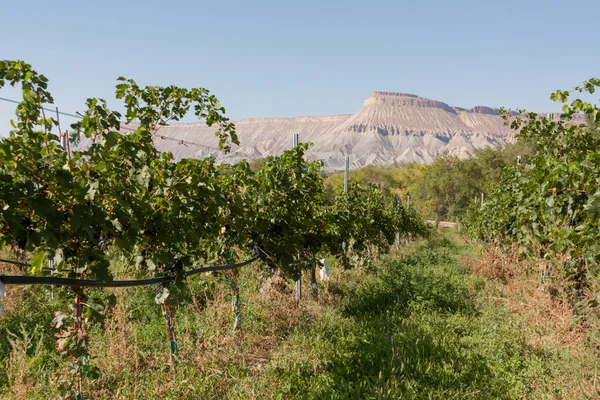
{"points": [[398, 232], [346, 174], [63, 138], [299, 287], [299, 281]]}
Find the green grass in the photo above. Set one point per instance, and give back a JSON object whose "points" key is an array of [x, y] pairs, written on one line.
{"points": [[414, 330], [415, 326]]}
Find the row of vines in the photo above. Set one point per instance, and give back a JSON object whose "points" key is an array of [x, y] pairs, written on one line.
{"points": [[69, 213], [549, 203]]}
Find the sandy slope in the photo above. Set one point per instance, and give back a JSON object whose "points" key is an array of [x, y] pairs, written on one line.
{"points": [[390, 127]]}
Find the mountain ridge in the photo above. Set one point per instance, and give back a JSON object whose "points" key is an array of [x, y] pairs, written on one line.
{"points": [[390, 128]]}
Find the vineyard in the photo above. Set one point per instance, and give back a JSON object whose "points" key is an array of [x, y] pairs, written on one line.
{"points": [[548, 204], [71, 214], [128, 274]]}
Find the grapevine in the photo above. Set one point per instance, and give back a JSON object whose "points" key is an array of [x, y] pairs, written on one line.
{"points": [[116, 197], [549, 204]]}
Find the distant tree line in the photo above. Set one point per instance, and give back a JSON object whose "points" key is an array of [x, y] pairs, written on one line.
{"points": [[443, 189]]}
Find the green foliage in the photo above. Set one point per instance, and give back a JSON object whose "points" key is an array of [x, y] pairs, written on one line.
{"points": [[550, 203], [365, 219], [288, 215], [417, 326], [448, 186], [443, 189], [119, 198], [118, 194], [413, 329], [444, 186], [396, 179]]}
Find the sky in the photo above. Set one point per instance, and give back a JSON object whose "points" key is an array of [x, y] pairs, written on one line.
{"points": [[310, 57]]}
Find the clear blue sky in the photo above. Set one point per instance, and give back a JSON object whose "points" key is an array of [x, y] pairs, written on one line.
{"points": [[294, 58]]}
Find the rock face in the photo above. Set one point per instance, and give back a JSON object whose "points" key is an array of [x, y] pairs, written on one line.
{"points": [[390, 127]]}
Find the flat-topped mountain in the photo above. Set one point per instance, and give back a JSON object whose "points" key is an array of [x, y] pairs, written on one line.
{"points": [[390, 127]]}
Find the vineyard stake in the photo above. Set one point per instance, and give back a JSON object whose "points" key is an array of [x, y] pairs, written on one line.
{"points": [[299, 287], [313, 278], [398, 232], [168, 313], [299, 281], [235, 291], [346, 173], [63, 140], [81, 338]]}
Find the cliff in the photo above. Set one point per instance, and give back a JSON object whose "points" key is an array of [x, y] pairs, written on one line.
{"points": [[390, 127]]}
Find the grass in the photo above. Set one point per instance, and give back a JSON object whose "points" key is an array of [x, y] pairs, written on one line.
{"points": [[416, 328], [417, 325]]}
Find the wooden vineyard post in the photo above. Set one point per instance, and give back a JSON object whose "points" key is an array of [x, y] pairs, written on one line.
{"points": [[346, 177], [299, 280], [169, 317], [324, 272], [346, 174], [398, 229]]}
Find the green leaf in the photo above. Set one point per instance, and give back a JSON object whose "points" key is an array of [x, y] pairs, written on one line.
{"points": [[582, 228], [37, 262], [99, 167]]}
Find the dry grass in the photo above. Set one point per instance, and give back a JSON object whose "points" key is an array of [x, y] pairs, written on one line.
{"points": [[14, 293], [545, 309], [18, 365], [215, 362], [547, 312], [497, 264], [121, 341], [536, 300], [208, 347]]}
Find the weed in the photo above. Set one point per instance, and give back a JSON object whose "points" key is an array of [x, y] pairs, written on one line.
{"points": [[417, 324]]}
